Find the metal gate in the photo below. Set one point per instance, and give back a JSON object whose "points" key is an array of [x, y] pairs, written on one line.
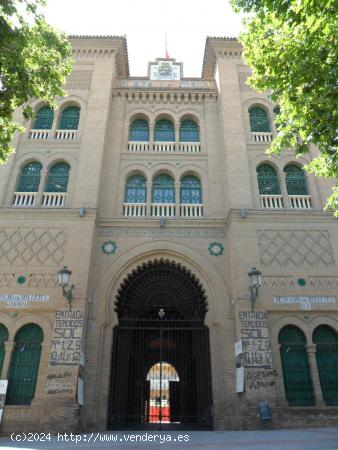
{"points": [[160, 377]]}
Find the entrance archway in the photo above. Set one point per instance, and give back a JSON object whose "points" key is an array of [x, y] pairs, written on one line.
{"points": [[161, 308]]}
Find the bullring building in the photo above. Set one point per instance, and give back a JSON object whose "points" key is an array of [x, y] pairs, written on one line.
{"points": [[157, 268]]}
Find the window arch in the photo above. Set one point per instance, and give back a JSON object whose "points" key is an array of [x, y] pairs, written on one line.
{"points": [[163, 189], [29, 180], [295, 180], [190, 191], [259, 120], [295, 365], [326, 340], [3, 339], [189, 131], [164, 131], [136, 189], [44, 119], [139, 131], [57, 178], [267, 178], [70, 118], [24, 365]]}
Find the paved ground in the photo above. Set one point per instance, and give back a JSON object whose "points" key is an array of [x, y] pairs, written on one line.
{"points": [[309, 439]]}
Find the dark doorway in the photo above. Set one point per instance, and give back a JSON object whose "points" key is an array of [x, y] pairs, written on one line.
{"points": [[160, 376]]}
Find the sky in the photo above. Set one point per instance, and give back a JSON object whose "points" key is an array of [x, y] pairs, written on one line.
{"points": [[144, 23]]}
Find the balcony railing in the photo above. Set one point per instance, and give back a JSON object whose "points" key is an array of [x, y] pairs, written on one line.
{"points": [[138, 146], [191, 210], [134, 209], [190, 147], [168, 147], [300, 201], [24, 199], [66, 135], [39, 134], [271, 201], [261, 136], [163, 209], [53, 199]]}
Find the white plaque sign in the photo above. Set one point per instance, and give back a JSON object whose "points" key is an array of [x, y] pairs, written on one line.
{"points": [[21, 300], [305, 302]]}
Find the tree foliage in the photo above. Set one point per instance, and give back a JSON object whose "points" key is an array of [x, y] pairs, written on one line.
{"points": [[291, 46], [34, 63]]}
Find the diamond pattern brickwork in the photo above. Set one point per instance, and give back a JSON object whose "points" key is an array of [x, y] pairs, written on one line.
{"points": [[295, 248], [79, 79], [33, 246]]}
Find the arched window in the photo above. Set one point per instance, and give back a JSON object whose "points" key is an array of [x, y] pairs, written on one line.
{"points": [[139, 131], [70, 118], [164, 131], [189, 131], [268, 183], [24, 365], [43, 119], [29, 180], [163, 189], [3, 339], [191, 192], [259, 120], [326, 340], [295, 180], [57, 178], [295, 364], [136, 190]]}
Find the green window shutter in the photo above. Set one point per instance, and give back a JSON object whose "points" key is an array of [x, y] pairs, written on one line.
{"points": [[163, 189], [189, 131], [295, 364], [268, 183], [295, 180], [29, 180], [57, 178], [44, 119], [24, 365], [139, 131], [191, 190], [136, 190], [3, 339], [326, 340], [164, 131], [259, 120], [70, 118]]}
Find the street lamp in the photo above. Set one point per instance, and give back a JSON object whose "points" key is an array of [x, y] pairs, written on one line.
{"points": [[63, 277], [256, 282]]}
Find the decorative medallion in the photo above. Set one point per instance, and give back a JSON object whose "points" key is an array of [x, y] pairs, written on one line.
{"points": [[216, 249], [109, 247], [165, 69], [21, 279], [301, 282]]}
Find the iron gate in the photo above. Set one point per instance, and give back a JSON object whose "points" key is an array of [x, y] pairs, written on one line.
{"points": [[160, 375]]}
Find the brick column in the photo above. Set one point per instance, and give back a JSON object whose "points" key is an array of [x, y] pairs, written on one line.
{"points": [[149, 194], [177, 198], [38, 200], [311, 351], [151, 136], [9, 346], [177, 136], [282, 184]]}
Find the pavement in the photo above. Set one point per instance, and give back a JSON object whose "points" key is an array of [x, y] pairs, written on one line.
{"points": [[309, 439]]}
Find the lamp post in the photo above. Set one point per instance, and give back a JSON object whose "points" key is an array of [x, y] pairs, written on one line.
{"points": [[161, 314], [63, 277], [256, 282]]}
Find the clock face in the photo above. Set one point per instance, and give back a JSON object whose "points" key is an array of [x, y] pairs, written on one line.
{"points": [[165, 70]]}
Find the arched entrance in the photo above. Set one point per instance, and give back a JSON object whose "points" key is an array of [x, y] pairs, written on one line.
{"points": [[160, 375]]}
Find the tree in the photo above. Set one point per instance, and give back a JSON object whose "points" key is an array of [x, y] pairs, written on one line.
{"points": [[291, 46], [34, 63]]}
